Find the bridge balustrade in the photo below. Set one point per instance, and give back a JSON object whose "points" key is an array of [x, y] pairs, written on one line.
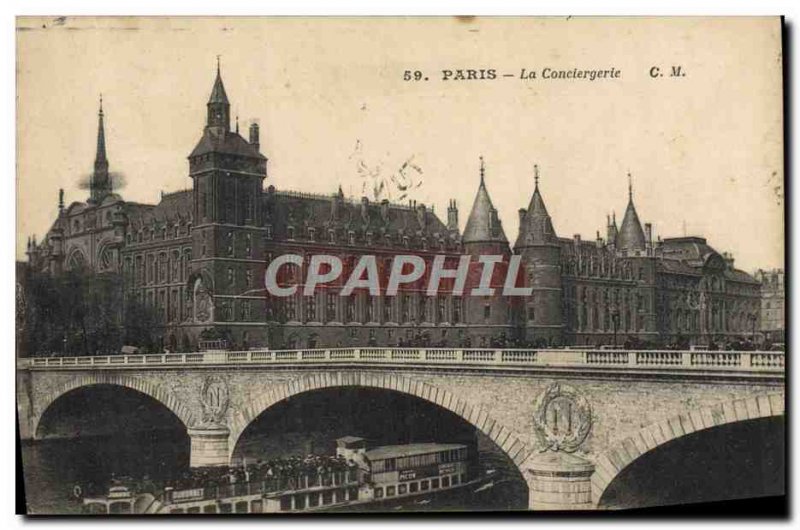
{"points": [[667, 359], [659, 358]]}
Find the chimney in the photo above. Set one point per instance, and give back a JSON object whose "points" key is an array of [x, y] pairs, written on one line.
{"points": [[420, 214], [60, 200], [385, 209], [599, 240], [452, 216], [728, 257], [254, 141], [522, 214], [364, 205], [577, 238]]}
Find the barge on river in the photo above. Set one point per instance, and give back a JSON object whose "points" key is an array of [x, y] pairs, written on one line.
{"points": [[378, 475]]}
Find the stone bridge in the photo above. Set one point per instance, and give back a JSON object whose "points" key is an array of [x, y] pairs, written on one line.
{"points": [[570, 420]]}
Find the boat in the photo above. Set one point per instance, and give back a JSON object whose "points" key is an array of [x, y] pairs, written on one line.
{"points": [[355, 475]]}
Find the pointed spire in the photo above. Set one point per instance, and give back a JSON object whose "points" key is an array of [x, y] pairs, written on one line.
{"points": [[631, 235], [100, 185], [60, 200], [630, 187], [483, 224], [101, 135], [237, 124], [536, 226], [218, 94]]}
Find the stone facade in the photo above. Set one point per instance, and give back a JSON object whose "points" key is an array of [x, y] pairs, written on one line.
{"points": [[198, 258], [627, 416], [773, 304]]}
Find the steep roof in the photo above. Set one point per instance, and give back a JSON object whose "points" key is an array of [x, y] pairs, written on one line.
{"points": [[173, 206], [325, 212], [226, 142], [536, 226], [631, 236], [483, 224], [218, 94]]}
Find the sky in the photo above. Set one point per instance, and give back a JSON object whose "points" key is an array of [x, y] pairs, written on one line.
{"points": [[704, 149]]}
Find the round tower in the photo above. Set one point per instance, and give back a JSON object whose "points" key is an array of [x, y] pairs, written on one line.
{"points": [[542, 316], [489, 316]]}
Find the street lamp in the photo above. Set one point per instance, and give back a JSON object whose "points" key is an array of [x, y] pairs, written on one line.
{"points": [[614, 311], [753, 319]]}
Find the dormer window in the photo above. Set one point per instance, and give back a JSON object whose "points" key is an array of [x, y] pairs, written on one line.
{"points": [[351, 237], [290, 232], [268, 232], [312, 232], [406, 241], [332, 236], [369, 238]]}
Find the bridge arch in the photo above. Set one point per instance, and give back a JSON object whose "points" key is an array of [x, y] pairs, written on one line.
{"points": [[157, 392], [611, 463], [475, 415]]}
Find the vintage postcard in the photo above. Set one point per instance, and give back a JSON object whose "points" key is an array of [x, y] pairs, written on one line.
{"points": [[291, 265]]}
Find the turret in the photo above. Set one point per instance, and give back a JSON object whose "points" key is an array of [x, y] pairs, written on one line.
{"points": [[219, 108], [631, 238], [484, 236], [538, 245], [484, 231]]}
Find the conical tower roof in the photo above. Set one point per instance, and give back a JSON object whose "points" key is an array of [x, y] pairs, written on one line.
{"points": [[536, 226], [218, 94], [483, 224], [631, 236]]}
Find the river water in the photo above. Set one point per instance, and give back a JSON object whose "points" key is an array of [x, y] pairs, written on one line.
{"points": [[53, 467]]}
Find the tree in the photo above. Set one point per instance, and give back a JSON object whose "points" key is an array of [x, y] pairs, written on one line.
{"points": [[81, 313]]}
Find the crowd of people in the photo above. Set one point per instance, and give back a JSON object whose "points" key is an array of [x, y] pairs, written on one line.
{"points": [[276, 474]]}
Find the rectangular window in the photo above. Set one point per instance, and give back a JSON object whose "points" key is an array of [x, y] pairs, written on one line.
{"points": [[413, 487], [424, 485], [402, 489], [435, 484], [445, 482], [390, 491], [378, 493]]}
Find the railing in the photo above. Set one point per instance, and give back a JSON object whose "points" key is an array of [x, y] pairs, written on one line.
{"points": [[287, 484], [755, 361]]}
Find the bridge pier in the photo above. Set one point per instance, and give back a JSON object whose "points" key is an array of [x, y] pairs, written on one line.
{"points": [[559, 481], [209, 446]]}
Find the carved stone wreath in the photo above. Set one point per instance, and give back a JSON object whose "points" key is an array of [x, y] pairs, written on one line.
{"points": [[214, 400], [562, 419]]}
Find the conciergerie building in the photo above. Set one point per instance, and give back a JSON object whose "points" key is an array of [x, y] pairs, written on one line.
{"points": [[198, 260]]}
